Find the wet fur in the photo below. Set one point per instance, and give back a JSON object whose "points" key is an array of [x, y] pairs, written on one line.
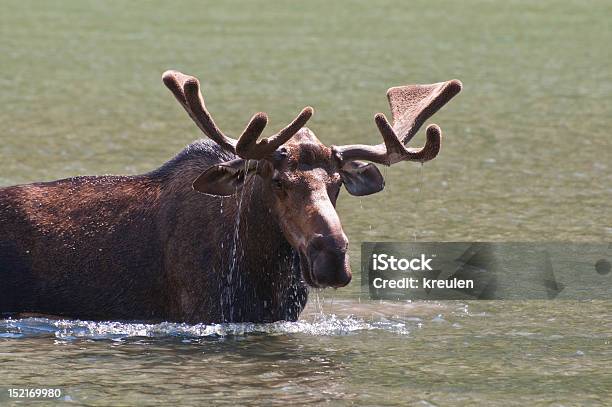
{"points": [[147, 247]]}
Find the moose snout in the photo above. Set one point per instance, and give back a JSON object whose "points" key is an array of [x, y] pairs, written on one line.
{"points": [[329, 262]]}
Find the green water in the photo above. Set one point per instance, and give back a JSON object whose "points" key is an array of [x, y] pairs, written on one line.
{"points": [[525, 157]]}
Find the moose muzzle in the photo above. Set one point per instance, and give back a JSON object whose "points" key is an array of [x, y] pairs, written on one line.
{"points": [[328, 261]]}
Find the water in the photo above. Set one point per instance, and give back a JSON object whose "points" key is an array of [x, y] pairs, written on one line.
{"points": [[368, 353], [525, 157]]}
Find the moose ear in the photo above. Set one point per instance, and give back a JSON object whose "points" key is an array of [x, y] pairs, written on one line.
{"points": [[362, 178], [226, 178]]}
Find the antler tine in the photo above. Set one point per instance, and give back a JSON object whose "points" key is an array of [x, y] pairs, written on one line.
{"points": [[431, 148], [205, 122], [174, 81], [186, 90], [395, 151], [249, 148]]}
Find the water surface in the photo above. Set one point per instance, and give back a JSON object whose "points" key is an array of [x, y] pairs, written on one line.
{"points": [[368, 353]]}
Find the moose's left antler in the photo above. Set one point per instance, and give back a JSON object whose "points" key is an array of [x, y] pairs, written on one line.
{"points": [[411, 106]]}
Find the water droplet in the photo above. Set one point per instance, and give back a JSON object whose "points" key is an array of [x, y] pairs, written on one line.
{"points": [[438, 318]]}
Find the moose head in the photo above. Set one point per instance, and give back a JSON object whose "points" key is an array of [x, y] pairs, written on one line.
{"points": [[301, 177]]}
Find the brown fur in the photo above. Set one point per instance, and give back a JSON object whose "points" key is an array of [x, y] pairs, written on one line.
{"points": [[146, 247]]}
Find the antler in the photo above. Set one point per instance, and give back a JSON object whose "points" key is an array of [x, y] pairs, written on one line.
{"points": [[249, 147], [186, 89], [411, 106]]}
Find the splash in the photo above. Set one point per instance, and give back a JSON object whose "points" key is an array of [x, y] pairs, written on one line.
{"points": [[318, 325]]}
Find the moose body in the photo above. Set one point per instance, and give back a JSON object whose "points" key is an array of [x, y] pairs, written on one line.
{"points": [[151, 247], [115, 247]]}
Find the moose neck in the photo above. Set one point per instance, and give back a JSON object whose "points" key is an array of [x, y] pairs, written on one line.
{"points": [[225, 259], [262, 278]]}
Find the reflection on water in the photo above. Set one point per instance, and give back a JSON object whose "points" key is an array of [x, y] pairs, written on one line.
{"points": [[358, 352]]}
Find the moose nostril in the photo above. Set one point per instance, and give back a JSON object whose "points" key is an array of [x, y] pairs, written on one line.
{"points": [[324, 262]]}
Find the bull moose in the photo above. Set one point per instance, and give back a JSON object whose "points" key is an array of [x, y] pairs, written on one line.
{"points": [[226, 231]]}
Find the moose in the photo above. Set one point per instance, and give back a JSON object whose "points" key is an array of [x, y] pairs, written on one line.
{"points": [[229, 230]]}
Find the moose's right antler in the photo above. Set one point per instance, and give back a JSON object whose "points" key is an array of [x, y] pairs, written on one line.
{"points": [[186, 89]]}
